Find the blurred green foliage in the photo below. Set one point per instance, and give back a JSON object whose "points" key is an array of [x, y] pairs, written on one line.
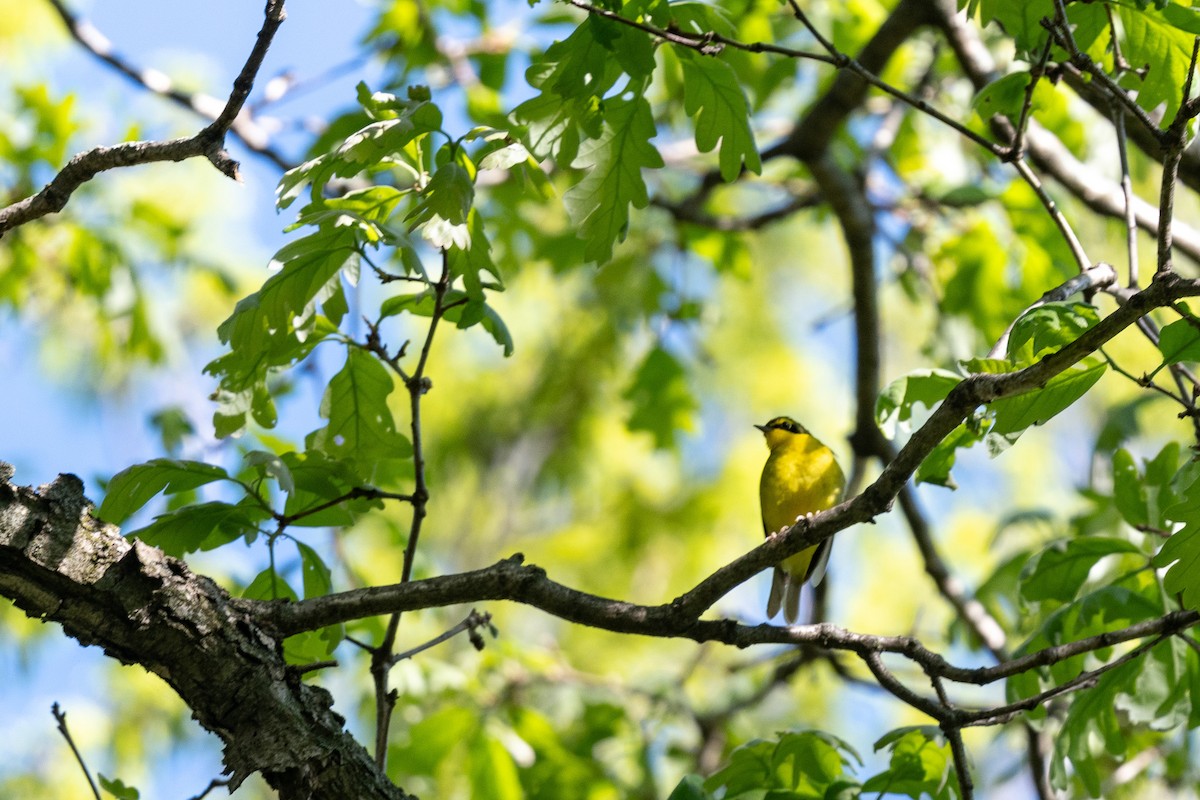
{"points": [[576, 210]]}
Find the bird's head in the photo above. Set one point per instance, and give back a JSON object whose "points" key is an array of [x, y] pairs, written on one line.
{"points": [[780, 429]]}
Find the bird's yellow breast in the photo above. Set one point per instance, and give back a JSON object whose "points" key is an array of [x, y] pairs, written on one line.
{"points": [[801, 477]]}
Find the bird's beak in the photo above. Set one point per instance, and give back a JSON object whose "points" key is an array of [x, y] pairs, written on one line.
{"points": [[762, 428]]}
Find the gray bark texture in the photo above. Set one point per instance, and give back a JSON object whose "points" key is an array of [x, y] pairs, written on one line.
{"points": [[60, 564]]}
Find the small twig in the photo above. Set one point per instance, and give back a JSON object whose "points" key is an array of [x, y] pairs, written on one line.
{"points": [[1060, 221], [874, 661], [1035, 75], [689, 210], [472, 621], [417, 385], [1119, 62], [1060, 31], [357, 493], [799, 14], [1170, 174], [1127, 193], [61, 717], [1002, 714], [215, 783], [1145, 381], [708, 43], [711, 43]]}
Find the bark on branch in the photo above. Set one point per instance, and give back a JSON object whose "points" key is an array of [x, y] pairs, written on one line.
{"points": [[60, 564]]}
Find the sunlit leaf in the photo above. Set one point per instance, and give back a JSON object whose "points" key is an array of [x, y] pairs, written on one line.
{"points": [[133, 487]]}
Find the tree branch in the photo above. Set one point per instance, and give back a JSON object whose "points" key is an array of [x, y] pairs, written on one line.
{"points": [[208, 143], [58, 563], [206, 106]]}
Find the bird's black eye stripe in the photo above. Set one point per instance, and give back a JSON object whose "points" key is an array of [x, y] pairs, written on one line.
{"points": [[784, 423]]}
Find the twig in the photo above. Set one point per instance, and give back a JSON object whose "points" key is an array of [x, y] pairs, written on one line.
{"points": [[1060, 221], [206, 106], [1001, 714], [1127, 193], [357, 493], [708, 43], [711, 43], [61, 717], [417, 384], [215, 783], [1035, 75], [689, 211], [472, 621], [1170, 175], [209, 143], [1060, 32]]}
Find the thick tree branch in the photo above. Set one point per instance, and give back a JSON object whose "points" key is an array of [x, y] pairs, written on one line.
{"points": [[510, 580], [60, 564]]}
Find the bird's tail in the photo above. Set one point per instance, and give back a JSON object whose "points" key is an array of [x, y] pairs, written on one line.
{"points": [[785, 593]]}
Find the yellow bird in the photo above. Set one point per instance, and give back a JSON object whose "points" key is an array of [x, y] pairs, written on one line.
{"points": [[801, 477]]}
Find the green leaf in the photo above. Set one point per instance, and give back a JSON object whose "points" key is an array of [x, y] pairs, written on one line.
{"points": [[269, 464], [269, 585], [319, 479], [1179, 341], [1021, 19], [1181, 554], [894, 408], [748, 768], [507, 156], [318, 580], [132, 488], [1142, 499], [662, 401], [288, 298], [1047, 328], [599, 204], [202, 526], [714, 96], [448, 196], [435, 738], [1152, 42], [492, 772], [398, 123], [366, 209], [936, 467], [361, 427], [800, 764], [690, 788], [173, 425], [1005, 96], [474, 260], [920, 764], [1062, 567], [117, 788], [1158, 697], [810, 759], [1015, 414]]}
